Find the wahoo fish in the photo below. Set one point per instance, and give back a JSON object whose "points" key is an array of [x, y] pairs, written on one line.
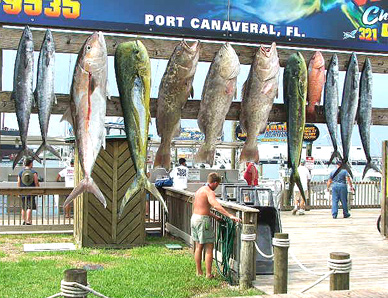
{"points": [[330, 103], [217, 95], [258, 94], [294, 94], [88, 109], [133, 74], [44, 91], [316, 81], [348, 113], [22, 92], [364, 113], [174, 90]]}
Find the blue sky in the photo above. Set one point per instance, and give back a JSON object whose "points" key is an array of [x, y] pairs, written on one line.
{"points": [[64, 70]]}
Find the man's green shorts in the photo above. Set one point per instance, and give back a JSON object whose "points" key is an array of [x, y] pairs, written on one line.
{"points": [[201, 229]]}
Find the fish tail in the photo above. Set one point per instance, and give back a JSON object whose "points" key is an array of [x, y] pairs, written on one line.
{"points": [[136, 186], [295, 179], [205, 154], [368, 166], [163, 156], [353, 13], [344, 166], [86, 185], [155, 192], [45, 146], [334, 155], [25, 152], [249, 152]]}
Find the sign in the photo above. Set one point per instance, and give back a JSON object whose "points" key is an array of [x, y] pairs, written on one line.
{"points": [[194, 175], [343, 24], [311, 133], [188, 134], [309, 162]]}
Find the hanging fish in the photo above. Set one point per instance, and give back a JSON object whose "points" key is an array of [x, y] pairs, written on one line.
{"points": [[133, 74], [316, 81]]}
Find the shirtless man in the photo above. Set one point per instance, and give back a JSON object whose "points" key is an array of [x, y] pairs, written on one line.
{"points": [[201, 229]]}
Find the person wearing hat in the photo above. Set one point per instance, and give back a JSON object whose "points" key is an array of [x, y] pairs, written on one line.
{"points": [[28, 178], [68, 174], [305, 177], [180, 174], [340, 190]]}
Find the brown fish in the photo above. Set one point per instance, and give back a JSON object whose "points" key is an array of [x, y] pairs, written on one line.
{"points": [[316, 81]]}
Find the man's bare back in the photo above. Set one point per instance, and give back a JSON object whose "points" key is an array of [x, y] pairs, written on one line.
{"points": [[201, 202]]}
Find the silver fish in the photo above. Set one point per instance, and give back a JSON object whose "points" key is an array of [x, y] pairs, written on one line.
{"points": [[44, 91], [217, 96], [259, 92], [174, 90], [364, 113], [88, 109], [22, 92], [330, 103]]}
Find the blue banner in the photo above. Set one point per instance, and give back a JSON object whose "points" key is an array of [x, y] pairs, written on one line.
{"points": [[345, 24]]}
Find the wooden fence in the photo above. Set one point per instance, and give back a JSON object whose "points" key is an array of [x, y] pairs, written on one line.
{"points": [[367, 195]]}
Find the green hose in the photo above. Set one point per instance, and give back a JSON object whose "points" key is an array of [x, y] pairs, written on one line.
{"points": [[224, 243]]}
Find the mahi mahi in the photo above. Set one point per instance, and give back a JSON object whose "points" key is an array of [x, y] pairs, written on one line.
{"points": [[22, 93], [44, 92], [88, 109], [217, 95], [364, 114], [174, 90], [294, 94], [259, 92], [330, 103], [133, 74], [348, 113]]}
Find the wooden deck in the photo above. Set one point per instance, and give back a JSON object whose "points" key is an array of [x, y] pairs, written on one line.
{"points": [[314, 235]]}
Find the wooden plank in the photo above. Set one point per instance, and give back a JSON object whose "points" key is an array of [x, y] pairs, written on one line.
{"points": [[130, 224], [105, 158], [93, 234], [95, 224], [98, 171], [123, 147], [126, 168], [133, 204], [159, 48], [125, 156]]}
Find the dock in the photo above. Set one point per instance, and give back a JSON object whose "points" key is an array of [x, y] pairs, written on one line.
{"points": [[314, 235]]}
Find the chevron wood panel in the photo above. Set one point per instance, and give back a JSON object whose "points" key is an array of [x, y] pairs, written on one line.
{"points": [[96, 226]]}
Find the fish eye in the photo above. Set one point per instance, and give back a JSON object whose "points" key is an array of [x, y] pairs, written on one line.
{"points": [[88, 47], [137, 52]]}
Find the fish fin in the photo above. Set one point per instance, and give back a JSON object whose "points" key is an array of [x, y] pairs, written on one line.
{"points": [[368, 166], [136, 186], [25, 152], [335, 154], [192, 92], [86, 185], [155, 192], [67, 117], [18, 157], [205, 154], [249, 152], [266, 88], [163, 156], [344, 166], [45, 146], [295, 179]]}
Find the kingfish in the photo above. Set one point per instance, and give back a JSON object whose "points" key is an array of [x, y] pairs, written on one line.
{"points": [[258, 94], [348, 113], [316, 81], [22, 93], [87, 110], [217, 95], [174, 90], [364, 113], [44, 91], [294, 94], [133, 74], [330, 103]]}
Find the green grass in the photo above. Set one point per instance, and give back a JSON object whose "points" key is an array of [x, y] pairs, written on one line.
{"points": [[149, 271]]}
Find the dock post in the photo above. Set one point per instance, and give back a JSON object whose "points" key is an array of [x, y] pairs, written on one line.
{"points": [[76, 275], [280, 264], [340, 262], [248, 258]]}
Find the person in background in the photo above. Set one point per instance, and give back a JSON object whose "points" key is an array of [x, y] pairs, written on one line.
{"points": [[201, 228], [305, 177], [179, 174], [68, 174], [28, 178], [340, 190], [251, 174]]}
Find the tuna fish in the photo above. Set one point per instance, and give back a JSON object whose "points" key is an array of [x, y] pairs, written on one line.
{"points": [[88, 109], [259, 92], [330, 103], [364, 114], [133, 74], [294, 94], [174, 90], [316, 81], [22, 92], [348, 111], [217, 95], [44, 92]]}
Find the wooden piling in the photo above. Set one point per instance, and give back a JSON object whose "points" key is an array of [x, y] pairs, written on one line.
{"points": [[280, 266], [247, 258], [384, 199], [76, 275], [339, 281]]}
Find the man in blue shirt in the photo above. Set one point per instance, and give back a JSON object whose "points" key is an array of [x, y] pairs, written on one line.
{"points": [[340, 191]]}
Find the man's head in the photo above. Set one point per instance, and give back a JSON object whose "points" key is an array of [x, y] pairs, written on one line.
{"points": [[302, 162], [28, 162], [72, 162], [339, 162], [182, 161], [213, 180]]}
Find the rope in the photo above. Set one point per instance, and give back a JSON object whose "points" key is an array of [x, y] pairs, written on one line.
{"points": [[76, 290], [252, 237], [281, 242], [304, 267]]}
